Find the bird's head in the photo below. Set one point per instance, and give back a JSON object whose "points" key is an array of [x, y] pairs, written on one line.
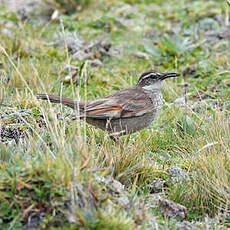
{"points": [[152, 79]]}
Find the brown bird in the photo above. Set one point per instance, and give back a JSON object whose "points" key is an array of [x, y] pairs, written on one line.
{"points": [[126, 111]]}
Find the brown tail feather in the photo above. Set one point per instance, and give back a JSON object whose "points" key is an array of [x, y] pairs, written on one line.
{"points": [[66, 101]]}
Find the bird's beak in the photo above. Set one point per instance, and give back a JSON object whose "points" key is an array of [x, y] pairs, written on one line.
{"points": [[168, 75]]}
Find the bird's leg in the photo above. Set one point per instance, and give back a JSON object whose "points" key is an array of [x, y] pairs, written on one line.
{"points": [[116, 140], [115, 136]]}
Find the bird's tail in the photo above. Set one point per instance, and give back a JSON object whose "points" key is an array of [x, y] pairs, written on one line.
{"points": [[66, 101]]}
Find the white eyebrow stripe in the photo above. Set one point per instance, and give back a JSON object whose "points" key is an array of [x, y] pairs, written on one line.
{"points": [[148, 75]]}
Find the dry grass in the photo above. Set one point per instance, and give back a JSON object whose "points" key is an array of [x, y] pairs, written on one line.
{"points": [[207, 158], [57, 152]]}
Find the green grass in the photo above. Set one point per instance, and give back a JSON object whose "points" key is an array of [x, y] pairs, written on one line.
{"points": [[54, 169]]}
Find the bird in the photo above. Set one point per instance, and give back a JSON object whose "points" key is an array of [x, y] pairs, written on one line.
{"points": [[125, 111]]}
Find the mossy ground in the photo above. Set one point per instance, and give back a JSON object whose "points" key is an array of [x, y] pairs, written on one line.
{"points": [[40, 171]]}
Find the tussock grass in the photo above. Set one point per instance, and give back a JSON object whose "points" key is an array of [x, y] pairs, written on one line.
{"points": [[206, 156], [43, 172]]}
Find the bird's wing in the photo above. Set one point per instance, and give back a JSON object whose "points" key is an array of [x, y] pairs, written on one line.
{"points": [[132, 102]]}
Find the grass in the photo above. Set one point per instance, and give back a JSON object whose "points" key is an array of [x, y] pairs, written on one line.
{"points": [[58, 170]]}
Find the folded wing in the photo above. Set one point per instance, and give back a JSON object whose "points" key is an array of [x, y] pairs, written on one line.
{"points": [[132, 102]]}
